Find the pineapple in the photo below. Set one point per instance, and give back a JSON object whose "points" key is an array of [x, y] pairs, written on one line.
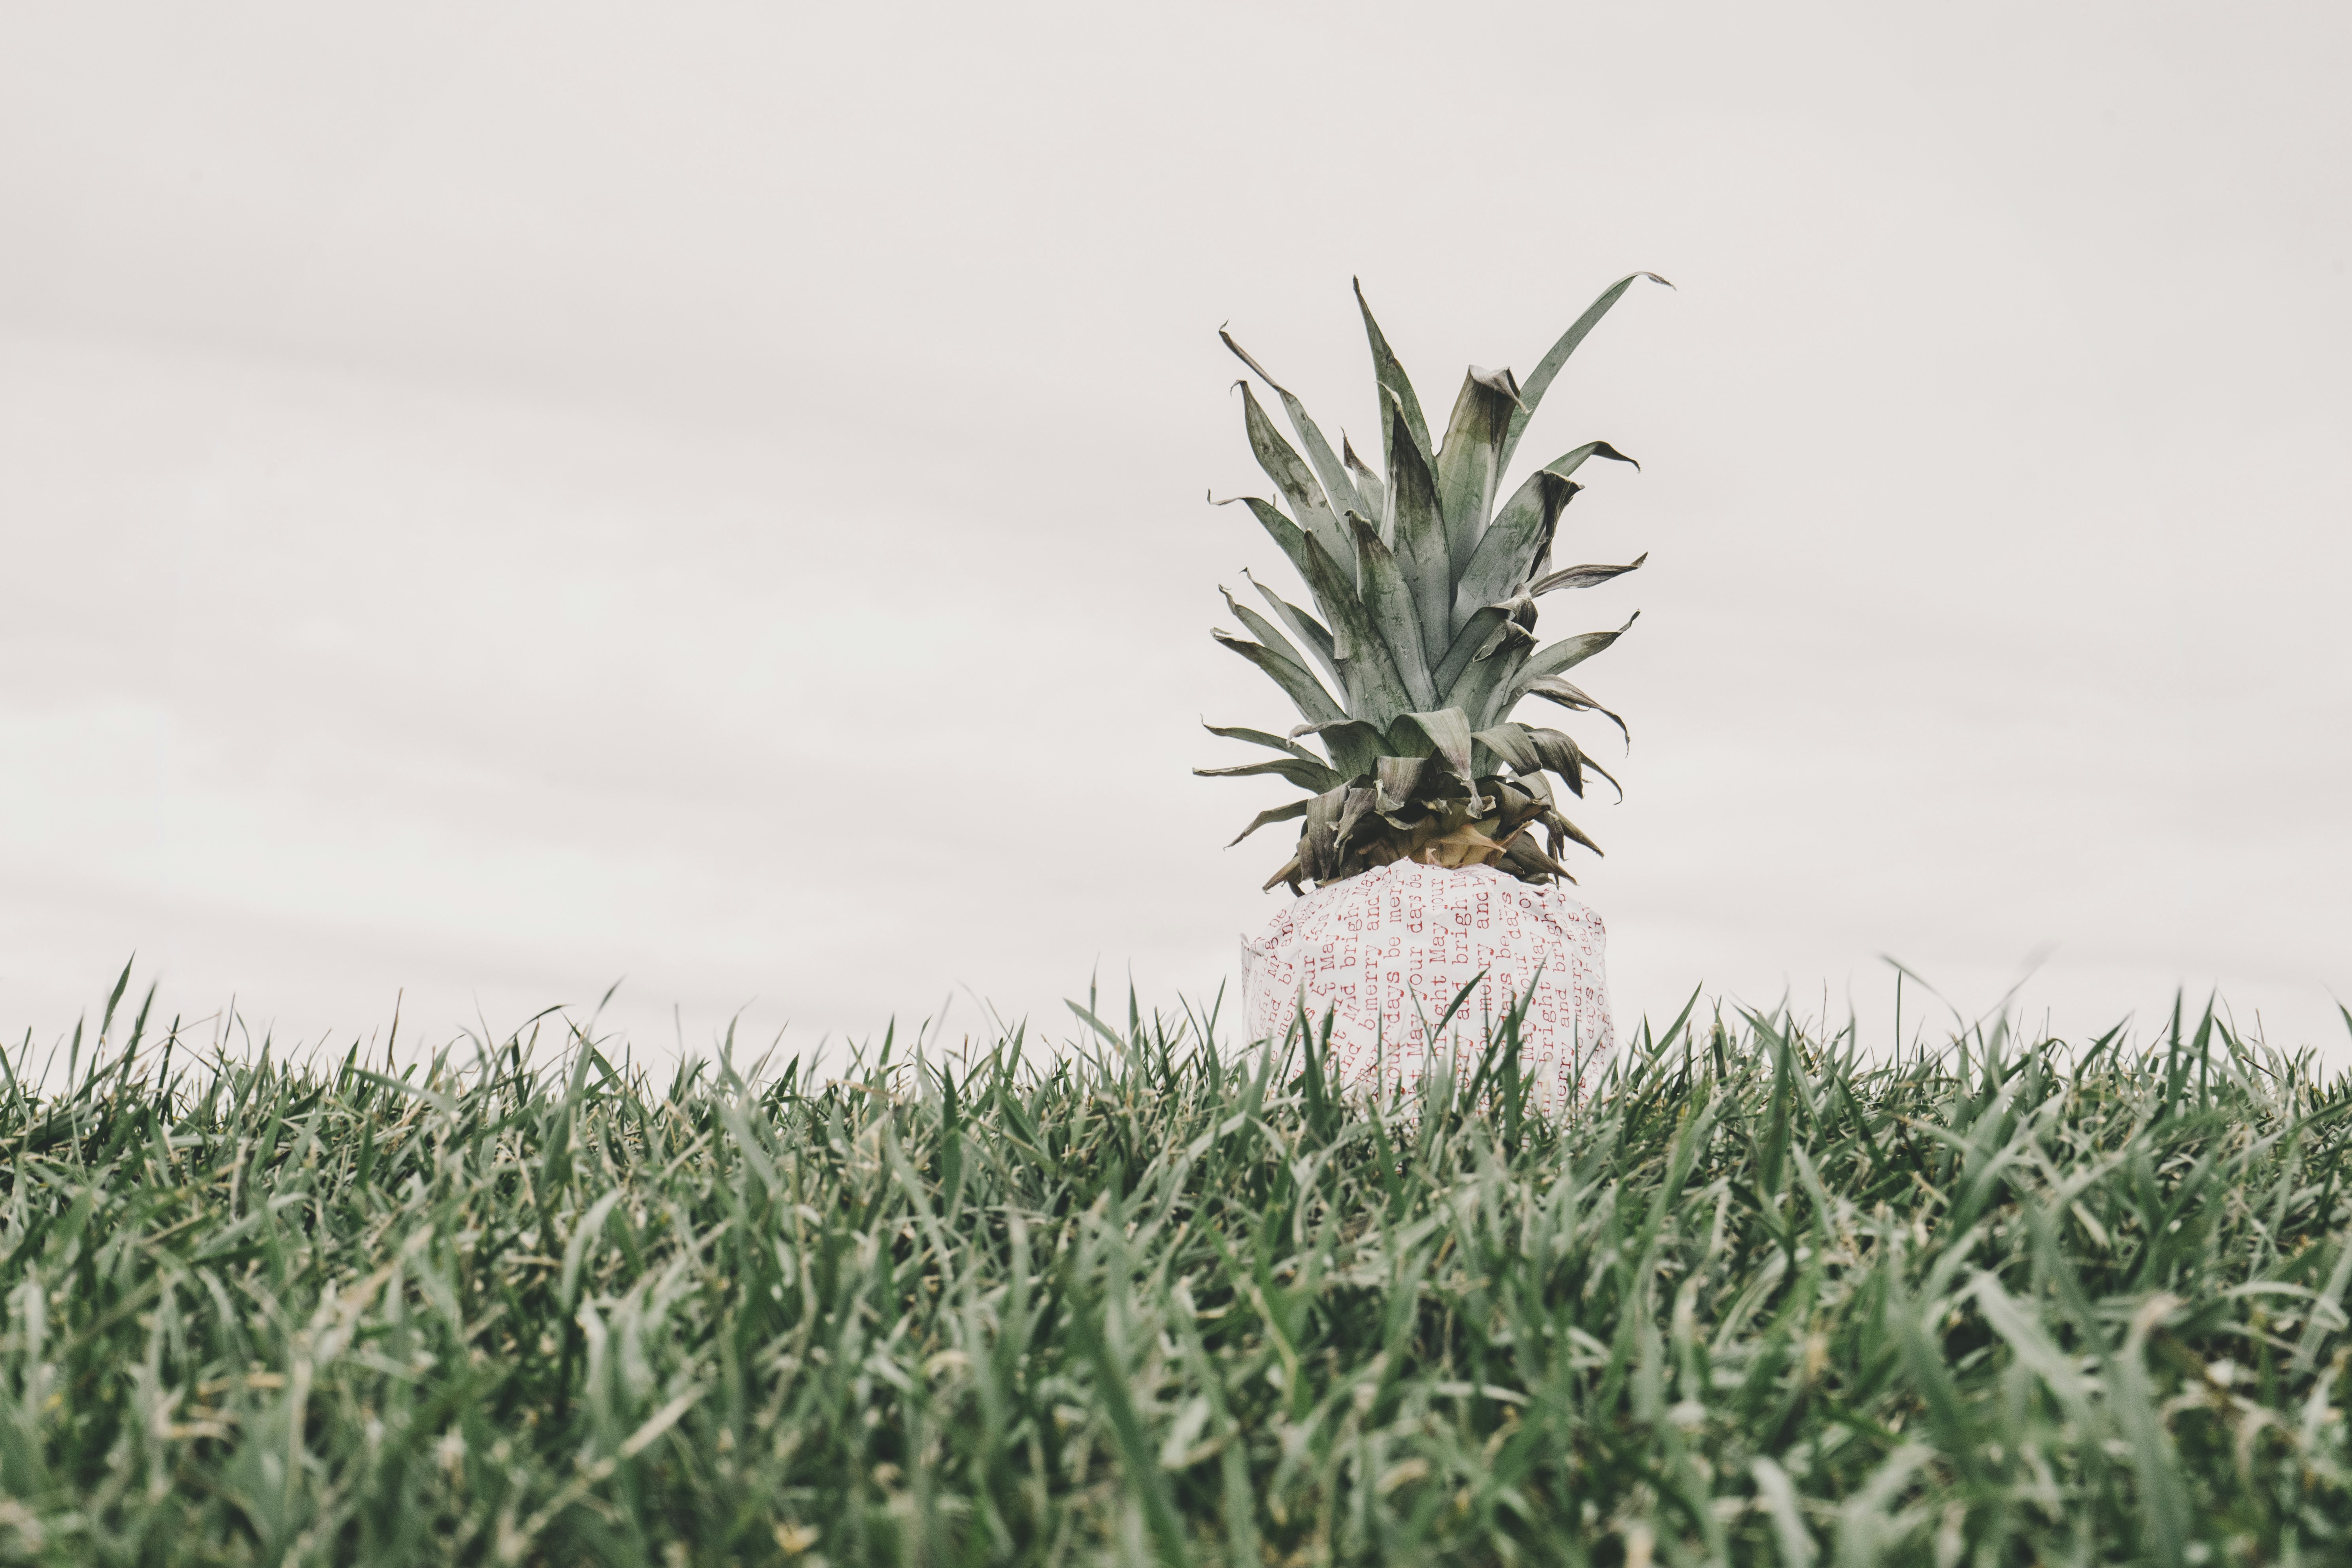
{"points": [[1422, 642]]}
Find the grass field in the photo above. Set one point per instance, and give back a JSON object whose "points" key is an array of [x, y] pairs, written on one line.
{"points": [[1767, 1300]]}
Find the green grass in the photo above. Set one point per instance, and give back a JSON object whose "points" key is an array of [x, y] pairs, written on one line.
{"points": [[1766, 1301]]}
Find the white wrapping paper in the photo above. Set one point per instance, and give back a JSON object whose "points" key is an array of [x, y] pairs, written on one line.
{"points": [[1385, 954]]}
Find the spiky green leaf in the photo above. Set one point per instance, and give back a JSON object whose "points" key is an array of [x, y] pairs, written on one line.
{"points": [[1525, 854], [1356, 806], [1575, 459], [1366, 672], [1485, 689], [1370, 488], [1305, 692], [1260, 738], [1391, 376], [1552, 689], [1506, 556], [1445, 731], [1375, 689], [1318, 841], [1354, 745], [1309, 505], [1531, 751], [1271, 815], [1583, 577], [1287, 536], [1389, 601], [1265, 631], [1337, 486], [1539, 380], [1509, 742], [1565, 655], [1417, 537], [1471, 641], [1305, 774], [1310, 631], [1571, 831], [1470, 464], [1398, 779], [1512, 550], [1562, 755]]}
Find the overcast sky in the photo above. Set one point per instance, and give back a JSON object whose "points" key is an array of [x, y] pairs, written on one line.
{"points": [[499, 498]]}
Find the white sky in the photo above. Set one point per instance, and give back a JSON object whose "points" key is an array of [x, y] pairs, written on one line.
{"points": [[499, 498]]}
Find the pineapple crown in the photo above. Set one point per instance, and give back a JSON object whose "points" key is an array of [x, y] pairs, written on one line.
{"points": [[1425, 611]]}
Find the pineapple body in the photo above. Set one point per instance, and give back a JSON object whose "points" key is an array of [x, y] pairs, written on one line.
{"points": [[1429, 831], [1384, 955]]}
